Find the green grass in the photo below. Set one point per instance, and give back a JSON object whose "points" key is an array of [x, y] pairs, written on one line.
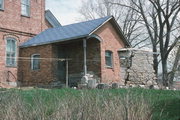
{"points": [[163, 104]]}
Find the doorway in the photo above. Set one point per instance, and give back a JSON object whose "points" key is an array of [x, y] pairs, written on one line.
{"points": [[61, 71]]}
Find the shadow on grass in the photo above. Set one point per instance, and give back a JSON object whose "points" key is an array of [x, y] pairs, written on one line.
{"points": [[167, 110]]}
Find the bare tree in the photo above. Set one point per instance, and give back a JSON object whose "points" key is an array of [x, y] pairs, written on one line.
{"points": [[176, 65], [127, 18], [158, 17], [143, 20]]}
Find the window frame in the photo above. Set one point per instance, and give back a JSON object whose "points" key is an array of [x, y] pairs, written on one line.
{"points": [[11, 52], [111, 58], [2, 8], [26, 6], [32, 62]]}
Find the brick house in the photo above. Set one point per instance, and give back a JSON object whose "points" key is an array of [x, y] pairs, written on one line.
{"points": [[19, 21], [36, 50], [91, 47]]}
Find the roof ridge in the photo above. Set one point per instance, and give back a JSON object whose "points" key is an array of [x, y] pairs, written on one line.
{"points": [[85, 21], [79, 22]]}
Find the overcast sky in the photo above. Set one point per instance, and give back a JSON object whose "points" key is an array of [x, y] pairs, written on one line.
{"points": [[66, 11]]}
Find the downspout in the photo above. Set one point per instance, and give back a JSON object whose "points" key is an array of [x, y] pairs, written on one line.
{"points": [[85, 55]]}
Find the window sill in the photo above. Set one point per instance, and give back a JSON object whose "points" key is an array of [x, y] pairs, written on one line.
{"points": [[35, 70], [25, 16], [1, 9], [109, 67], [11, 66]]}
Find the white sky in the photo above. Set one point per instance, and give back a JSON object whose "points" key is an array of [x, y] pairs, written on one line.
{"points": [[66, 11]]}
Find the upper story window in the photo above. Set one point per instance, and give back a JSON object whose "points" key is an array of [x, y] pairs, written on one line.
{"points": [[109, 59], [1, 4], [35, 62], [11, 48], [25, 7]]}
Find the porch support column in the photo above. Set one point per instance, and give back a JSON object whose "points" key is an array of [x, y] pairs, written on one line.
{"points": [[85, 56], [67, 77]]}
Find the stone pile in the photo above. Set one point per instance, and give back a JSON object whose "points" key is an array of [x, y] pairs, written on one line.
{"points": [[136, 71], [89, 81], [141, 71]]}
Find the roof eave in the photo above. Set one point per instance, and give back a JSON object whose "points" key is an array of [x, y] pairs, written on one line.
{"points": [[121, 33], [51, 42], [118, 28], [52, 20], [100, 26]]}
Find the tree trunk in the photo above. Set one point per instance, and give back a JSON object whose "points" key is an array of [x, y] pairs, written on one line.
{"points": [[175, 66], [164, 72], [155, 60]]}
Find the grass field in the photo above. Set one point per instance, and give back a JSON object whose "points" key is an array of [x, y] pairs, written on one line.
{"points": [[69, 104]]}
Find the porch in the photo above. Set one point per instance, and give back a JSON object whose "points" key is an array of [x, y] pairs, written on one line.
{"points": [[83, 57]]}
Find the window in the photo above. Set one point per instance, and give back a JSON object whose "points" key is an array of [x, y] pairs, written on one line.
{"points": [[11, 52], [35, 62], [25, 7], [108, 57], [125, 58], [1, 4]]}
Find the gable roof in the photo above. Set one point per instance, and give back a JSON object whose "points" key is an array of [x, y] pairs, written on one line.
{"points": [[69, 32], [51, 19]]}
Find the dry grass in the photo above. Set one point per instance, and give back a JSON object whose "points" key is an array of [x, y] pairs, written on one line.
{"points": [[81, 107], [95, 108]]}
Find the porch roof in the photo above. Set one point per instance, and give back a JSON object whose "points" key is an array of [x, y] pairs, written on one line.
{"points": [[67, 32]]}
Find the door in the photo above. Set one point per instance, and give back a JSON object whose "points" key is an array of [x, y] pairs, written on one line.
{"points": [[61, 65]]}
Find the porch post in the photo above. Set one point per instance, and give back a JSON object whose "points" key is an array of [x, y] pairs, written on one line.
{"points": [[85, 56], [67, 79]]}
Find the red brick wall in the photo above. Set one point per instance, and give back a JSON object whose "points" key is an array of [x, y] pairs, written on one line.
{"points": [[12, 24], [8, 73], [94, 56], [48, 68], [74, 51], [110, 41], [11, 17], [34, 77]]}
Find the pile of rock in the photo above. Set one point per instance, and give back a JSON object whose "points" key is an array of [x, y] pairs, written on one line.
{"points": [[79, 80], [92, 85], [88, 81], [141, 71]]}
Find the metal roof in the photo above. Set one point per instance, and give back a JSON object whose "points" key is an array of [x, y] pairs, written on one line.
{"points": [[67, 32]]}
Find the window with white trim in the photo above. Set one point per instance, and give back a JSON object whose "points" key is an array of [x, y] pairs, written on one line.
{"points": [[108, 58], [25, 7], [35, 62], [11, 49], [1, 4]]}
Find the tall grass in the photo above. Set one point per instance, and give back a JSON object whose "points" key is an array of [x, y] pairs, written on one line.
{"points": [[75, 105]]}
